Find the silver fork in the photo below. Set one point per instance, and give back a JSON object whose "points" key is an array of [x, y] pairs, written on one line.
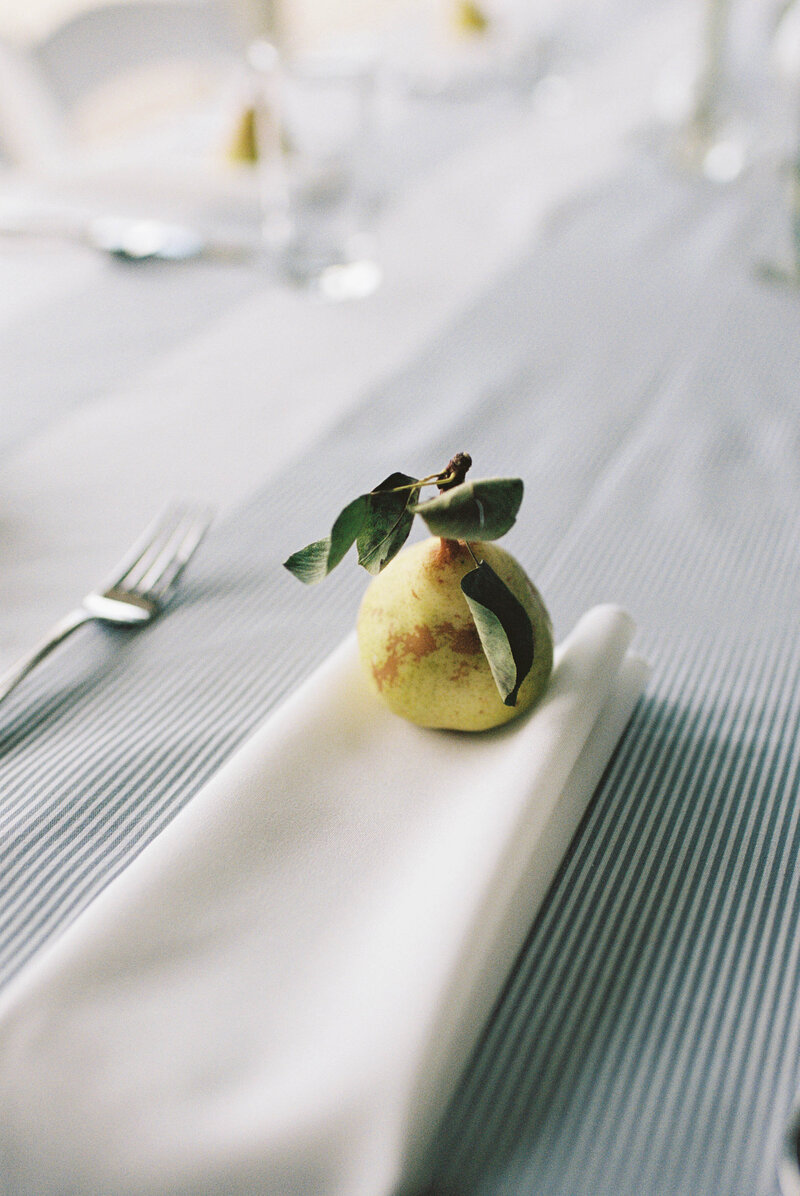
{"points": [[141, 585]]}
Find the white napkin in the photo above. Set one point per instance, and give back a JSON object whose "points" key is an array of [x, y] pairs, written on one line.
{"points": [[278, 995]]}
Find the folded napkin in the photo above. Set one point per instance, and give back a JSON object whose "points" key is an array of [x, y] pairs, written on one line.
{"points": [[279, 994]]}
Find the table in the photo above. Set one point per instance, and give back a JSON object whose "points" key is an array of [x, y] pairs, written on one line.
{"points": [[561, 303]]}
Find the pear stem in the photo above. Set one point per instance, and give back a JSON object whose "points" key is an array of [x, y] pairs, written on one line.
{"points": [[433, 479], [453, 474], [455, 471], [449, 549]]}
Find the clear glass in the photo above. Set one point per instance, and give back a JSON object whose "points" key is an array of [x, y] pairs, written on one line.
{"points": [[315, 131], [783, 264], [708, 141]]}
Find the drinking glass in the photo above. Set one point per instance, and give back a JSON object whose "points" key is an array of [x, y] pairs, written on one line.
{"points": [[315, 134], [707, 141], [785, 62]]}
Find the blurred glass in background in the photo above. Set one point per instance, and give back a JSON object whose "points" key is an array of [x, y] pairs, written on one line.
{"points": [[174, 93]]}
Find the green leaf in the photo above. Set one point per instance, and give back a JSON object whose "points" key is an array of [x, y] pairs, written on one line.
{"points": [[388, 522], [505, 630], [314, 562], [481, 510]]}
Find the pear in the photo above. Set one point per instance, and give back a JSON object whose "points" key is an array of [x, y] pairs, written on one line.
{"points": [[420, 647]]}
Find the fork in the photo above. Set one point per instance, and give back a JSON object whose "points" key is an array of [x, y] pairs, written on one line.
{"points": [[139, 589]]}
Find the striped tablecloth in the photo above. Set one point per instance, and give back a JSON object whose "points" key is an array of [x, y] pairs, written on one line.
{"points": [[643, 381]]}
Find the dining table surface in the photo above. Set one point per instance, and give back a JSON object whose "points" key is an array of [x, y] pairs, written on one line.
{"points": [[564, 301]]}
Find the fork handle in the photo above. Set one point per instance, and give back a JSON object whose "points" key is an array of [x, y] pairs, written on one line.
{"points": [[12, 677]]}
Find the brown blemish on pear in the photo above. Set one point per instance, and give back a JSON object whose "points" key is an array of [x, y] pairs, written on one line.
{"points": [[420, 647], [463, 640], [416, 643]]}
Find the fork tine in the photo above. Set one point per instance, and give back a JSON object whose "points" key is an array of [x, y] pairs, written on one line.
{"points": [[146, 549], [165, 569], [140, 585], [143, 546], [159, 549]]}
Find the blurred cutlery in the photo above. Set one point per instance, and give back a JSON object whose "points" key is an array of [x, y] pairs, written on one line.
{"points": [[132, 239], [140, 587]]}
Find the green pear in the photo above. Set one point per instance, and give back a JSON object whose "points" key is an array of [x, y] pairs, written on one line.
{"points": [[420, 647]]}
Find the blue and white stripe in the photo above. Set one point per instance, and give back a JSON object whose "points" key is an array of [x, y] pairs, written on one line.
{"points": [[648, 1041]]}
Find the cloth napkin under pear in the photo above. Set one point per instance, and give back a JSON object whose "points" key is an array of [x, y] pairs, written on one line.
{"points": [[281, 992]]}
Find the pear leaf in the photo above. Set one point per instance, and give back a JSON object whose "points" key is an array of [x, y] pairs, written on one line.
{"points": [[505, 630], [388, 521], [314, 562], [480, 510]]}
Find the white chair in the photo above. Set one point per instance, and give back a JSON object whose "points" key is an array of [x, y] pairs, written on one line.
{"points": [[110, 68], [33, 129]]}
